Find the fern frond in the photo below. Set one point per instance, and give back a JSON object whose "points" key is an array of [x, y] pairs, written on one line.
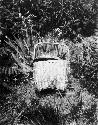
{"points": [[9, 70], [20, 44], [16, 59], [22, 53]]}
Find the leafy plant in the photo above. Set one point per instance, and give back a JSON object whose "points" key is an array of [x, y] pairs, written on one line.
{"points": [[20, 18], [84, 63], [26, 23]]}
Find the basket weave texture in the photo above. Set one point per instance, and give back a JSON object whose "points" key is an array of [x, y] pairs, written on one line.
{"points": [[51, 73]]}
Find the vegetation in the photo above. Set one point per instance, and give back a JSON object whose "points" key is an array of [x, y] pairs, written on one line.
{"points": [[27, 22]]}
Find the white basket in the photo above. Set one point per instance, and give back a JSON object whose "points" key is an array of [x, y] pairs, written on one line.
{"points": [[51, 73]]}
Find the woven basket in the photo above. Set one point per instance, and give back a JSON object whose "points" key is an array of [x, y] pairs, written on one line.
{"points": [[51, 72]]}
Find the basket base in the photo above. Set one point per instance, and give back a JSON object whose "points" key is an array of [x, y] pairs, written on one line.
{"points": [[51, 74]]}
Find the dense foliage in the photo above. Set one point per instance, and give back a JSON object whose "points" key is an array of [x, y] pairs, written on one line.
{"points": [[27, 16], [23, 24]]}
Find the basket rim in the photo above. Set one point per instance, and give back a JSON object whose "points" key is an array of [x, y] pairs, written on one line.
{"points": [[53, 43], [57, 58]]}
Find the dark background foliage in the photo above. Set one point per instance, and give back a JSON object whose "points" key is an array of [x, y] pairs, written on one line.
{"points": [[20, 18], [26, 18], [72, 17]]}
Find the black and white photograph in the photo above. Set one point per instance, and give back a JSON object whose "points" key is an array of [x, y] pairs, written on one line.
{"points": [[48, 62]]}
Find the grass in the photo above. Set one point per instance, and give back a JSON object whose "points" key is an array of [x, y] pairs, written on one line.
{"points": [[25, 108], [78, 106]]}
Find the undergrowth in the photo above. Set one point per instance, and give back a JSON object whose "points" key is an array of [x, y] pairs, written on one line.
{"points": [[78, 106]]}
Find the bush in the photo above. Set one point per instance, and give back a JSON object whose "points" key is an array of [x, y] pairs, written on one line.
{"points": [[84, 61], [41, 17], [22, 28]]}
